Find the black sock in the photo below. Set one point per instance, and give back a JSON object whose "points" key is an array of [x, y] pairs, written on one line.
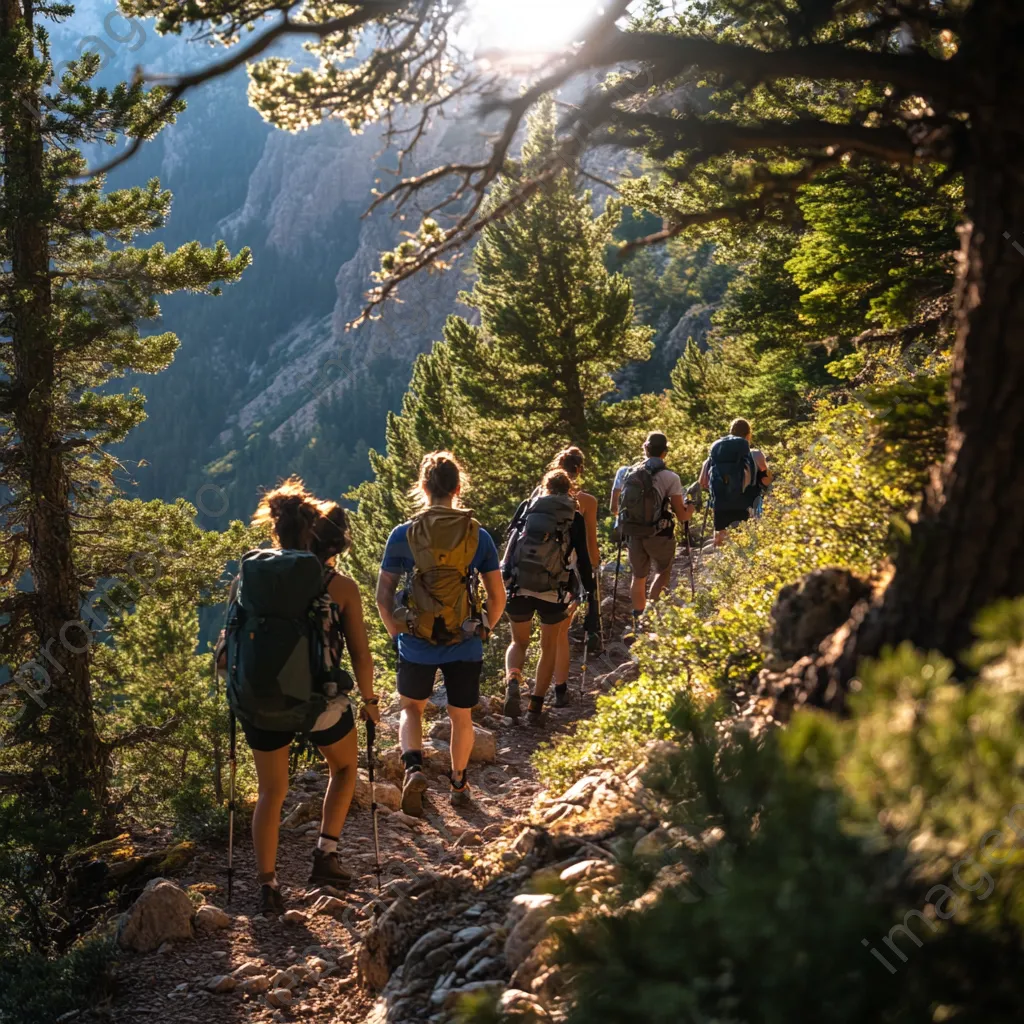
{"points": [[458, 778], [561, 688], [536, 703], [413, 760]]}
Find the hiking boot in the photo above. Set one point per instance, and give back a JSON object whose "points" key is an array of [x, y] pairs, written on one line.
{"points": [[460, 793], [562, 696], [327, 870], [271, 901], [412, 793], [512, 707], [535, 712]]}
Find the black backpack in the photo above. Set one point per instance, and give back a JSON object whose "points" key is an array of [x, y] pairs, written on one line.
{"points": [[282, 642], [641, 509], [537, 557], [732, 472]]}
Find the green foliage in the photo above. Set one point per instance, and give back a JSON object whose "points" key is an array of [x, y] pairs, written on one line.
{"points": [[842, 495], [35, 989], [535, 374], [896, 829]]}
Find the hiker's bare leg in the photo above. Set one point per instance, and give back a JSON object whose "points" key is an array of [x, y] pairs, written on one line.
{"points": [[515, 656], [661, 581], [638, 593], [548, 653], [721, 536], [272, 778], [342, 758], [462, 737], [410, 725], [563, 656]]}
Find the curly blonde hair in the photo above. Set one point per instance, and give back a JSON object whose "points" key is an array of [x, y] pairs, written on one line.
{"points": [[299, 521]]}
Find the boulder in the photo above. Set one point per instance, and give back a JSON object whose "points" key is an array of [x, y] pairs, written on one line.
{"points": [[441, 730], [302, 813], [221, 983], [279, 998], [388, 795], [580, 792], [210, 918], [293, 917], [250, 969], [527, 920], [485, 746], [254, 986], [807, 611], [162, 913], [653, 844]]}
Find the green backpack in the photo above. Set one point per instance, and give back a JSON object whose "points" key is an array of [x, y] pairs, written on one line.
{"points": [[275, 641]]}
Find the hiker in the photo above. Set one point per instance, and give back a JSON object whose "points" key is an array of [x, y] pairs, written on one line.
{"points": [[646, 500], [443, 552], [736, 475], [547, 570], [289, 581], [572, 461]]}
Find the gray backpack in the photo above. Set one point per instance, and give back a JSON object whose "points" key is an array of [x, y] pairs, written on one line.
{"points": [[539, 556], [280, 663]]}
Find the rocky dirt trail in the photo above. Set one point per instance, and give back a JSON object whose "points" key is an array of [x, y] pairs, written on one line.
{"points": [[452, 917]]}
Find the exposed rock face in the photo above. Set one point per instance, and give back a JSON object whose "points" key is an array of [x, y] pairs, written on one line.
{"points": [[808, 611], [163, 913]]}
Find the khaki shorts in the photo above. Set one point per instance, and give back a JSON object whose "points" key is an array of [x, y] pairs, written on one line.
{"points": [[644, 550]]}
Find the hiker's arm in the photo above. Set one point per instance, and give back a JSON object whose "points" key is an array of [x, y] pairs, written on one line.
{"points": [[683, 509], [616, 491], [345, 594], [494, 588], [705, 475], [387, 587], [580, 539], [767, 476]]}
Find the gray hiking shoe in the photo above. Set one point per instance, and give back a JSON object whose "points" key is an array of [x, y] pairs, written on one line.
{"points": [[412, 793], [512, 707]]}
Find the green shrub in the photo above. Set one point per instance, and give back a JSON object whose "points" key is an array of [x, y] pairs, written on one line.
{"points": [[869, 869]]}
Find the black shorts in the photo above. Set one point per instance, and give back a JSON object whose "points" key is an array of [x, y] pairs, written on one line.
{"points": [[461, 681], [522, 609], [726, 517], [266, 740]]}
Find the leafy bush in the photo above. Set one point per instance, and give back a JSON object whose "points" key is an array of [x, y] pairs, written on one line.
{"points": [[868, 870], [34, 989]]}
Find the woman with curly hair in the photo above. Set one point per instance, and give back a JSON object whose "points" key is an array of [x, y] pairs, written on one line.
{"points": [[300, 522]]}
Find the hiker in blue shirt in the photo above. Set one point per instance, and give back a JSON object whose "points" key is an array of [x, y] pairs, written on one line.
{"points": [[443, 552]]}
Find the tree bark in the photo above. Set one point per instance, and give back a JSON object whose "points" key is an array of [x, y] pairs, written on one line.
{"points": [[60, 672], [967, 550]]}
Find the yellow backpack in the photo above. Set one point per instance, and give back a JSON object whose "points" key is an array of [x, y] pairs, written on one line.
{"points": [[443, 542]]}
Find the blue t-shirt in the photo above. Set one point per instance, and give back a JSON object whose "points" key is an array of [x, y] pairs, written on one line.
{"points": [[398, 559]]}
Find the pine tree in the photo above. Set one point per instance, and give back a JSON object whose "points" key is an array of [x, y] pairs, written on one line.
{"points": [[73, 289], [535, 374]]}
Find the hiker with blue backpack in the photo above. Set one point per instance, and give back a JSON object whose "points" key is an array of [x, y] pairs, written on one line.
{"points": [[736, 475], [547, 573], [647, 499], [291, 618], [444, 554]]}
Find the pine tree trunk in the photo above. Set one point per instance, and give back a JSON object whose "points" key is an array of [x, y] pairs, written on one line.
{"points": [[968, 549], [64, 650]]}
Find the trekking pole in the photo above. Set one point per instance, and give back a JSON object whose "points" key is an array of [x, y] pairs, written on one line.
{"points": [[233, 764], [371, 735], [615, 589], [689, 561], [583, 668]]}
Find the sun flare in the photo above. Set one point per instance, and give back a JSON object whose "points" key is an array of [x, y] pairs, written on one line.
{"points": [[529, 26]]}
